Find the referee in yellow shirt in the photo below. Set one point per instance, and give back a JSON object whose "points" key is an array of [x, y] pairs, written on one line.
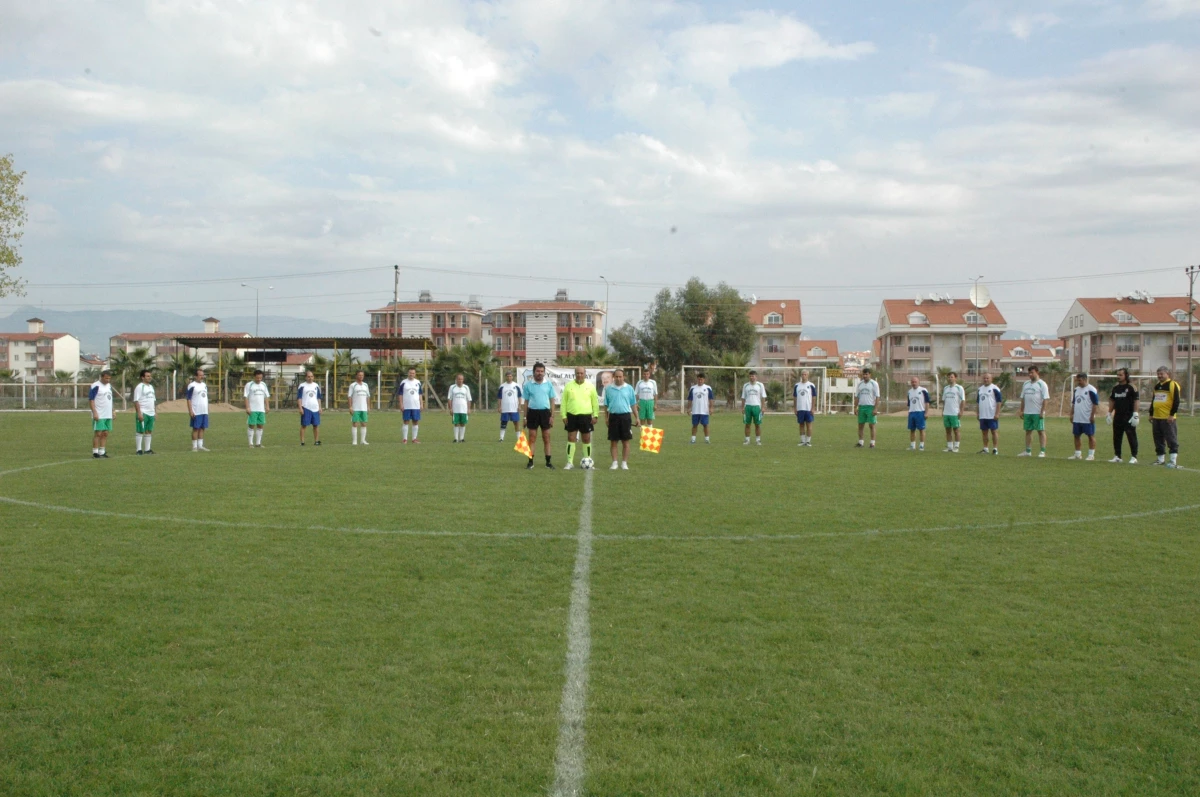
{"points": [[580, 412]]}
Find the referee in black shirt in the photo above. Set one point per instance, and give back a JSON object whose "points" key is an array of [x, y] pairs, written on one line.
{"points": [[1122, 413]]}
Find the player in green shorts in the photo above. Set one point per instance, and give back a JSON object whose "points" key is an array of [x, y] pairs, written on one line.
{"points": [[460, 400], [256, 394], [754, 393], [866, 396], [359, 394], [143, 405], [646, 391]]}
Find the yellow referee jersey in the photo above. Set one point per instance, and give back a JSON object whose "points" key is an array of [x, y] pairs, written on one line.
{"points": [[580, 399]]}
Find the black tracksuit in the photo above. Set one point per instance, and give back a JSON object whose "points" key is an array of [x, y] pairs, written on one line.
{"points": [[1125, 404]]}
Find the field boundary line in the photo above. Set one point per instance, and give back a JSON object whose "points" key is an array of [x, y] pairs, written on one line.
{"points": [[570, 757]]}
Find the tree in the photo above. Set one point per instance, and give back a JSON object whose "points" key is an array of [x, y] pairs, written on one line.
{"points": [[7, 375], [626, 343], [128, 366], [89, 374], [12, 222], [475, 360], [592, 356]]}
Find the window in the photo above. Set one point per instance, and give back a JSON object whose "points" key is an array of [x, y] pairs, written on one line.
{"points": [[773, 345], [1019, 352], [917, 318], [897, 340], [452, 320], [519, 320], [1180, 316], [562, 342], [589, 321], [518, 343], [1128, 343], [773, 318], [578, 321], [438, 341], [975, 319], [564, 319], [918, 344], [816, 351], [438, 321], [578, 343], [30, 357], [1123, 317]]}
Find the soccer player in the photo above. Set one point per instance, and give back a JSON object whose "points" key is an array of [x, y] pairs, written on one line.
{"points": [[509, 396], [918, 408], [197, 398], [754, 393], [580, 413], [953, 399], [989, 402], [459, 397], [100, 400], [412, 400], [804, 394], [308, 400], [359, 399], [700, 398], [866, 394], [539, 394], [1034, 395], [1083, 416], [618, 417], [143, 405], [1163, 408], [1123, 415], [256, 394], [647, 395]]}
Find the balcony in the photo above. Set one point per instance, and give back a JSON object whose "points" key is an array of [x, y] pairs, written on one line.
{"points": [[46, 350], [1128, 348], [779, 351]]}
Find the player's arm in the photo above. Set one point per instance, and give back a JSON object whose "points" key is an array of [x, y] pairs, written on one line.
{"points": [[300, 399], [92, 403], [191, 412], [596, 406], [246, 394], [1045, 399]]}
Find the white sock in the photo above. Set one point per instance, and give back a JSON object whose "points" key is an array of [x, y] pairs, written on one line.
{"points": [[502, 431], [415, 428], [138, 438], [693, 438], [146, 442], [250, 434], [364, 434], [706, 438], [101, 449], [354, 435], [95, 450], [747, 439], [195, 444], [758, 439], [406, 432], [258, 437], [1174, 457]]}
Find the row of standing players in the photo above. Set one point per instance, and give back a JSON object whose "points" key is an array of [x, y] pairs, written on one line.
{"points": [[580, 411]]}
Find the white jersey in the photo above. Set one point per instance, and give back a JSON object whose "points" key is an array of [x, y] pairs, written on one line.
{"points": [[754, 393], [143, 396], [918, 399], [1035, 394], [701, 398], [646, 390], [867, 392], [990, 400], [309, 395], [102, 395], [805, 394], [460, 399], [953, 399], [410, 394], [1085, 398], [257, 394], [510, 397], [360, 396], [197, 396]]}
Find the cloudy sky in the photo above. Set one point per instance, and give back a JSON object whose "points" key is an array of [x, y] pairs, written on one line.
{"points": [[838, 152]]}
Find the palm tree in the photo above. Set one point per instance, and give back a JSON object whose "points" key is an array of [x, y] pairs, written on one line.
{"points": [[89, 374], [61, 378], [475, 360], [185, 365], [127, 366], [592, 356], [8, 375]]}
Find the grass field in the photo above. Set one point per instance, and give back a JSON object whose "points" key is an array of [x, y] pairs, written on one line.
{"points": [[763, 621]]}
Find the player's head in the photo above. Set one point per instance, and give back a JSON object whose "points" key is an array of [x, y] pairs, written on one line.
{"points": [[580, 374], [105, 377], [359, 376], [953, 377], [539, 372], [458, 379], [619, 376], [512, 376], [199, 375], [1123, 376], [804, 376], [987, 377], [700, 377], [1081, 379], [915, 381], [258, 375], [146, 375], [1164, 372], [753, 376], [308, 376], [1034, 373], [866, 373], [412, 373]]}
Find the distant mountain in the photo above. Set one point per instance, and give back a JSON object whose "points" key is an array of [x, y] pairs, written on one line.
{"points": [[853, 337], [95, 327]]}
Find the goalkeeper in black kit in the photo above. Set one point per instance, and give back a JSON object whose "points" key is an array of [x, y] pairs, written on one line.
{"points": [[1123, 415]]}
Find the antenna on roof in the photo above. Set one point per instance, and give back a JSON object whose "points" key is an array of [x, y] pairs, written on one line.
{"points": [[753, 299], [917, 301]]}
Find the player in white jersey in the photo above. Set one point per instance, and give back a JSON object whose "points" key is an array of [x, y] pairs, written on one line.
{"points": [[953, 399], [100, 401], [412, 399], [257, 395], [804, 394], [918, 410], [1034, 395], [197, 398], [460, 399], [646, 391], [1084, 404], [866, 396], [990, 402], [143, 405], [359, 395], [509, 396], [308, 400], [754, 395], [700, 398]]}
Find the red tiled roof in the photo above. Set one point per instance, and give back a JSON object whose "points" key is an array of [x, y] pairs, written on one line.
{"points": [[298, 358], [1144, 312], [427, 307], [533, 307], [32, 335], [1042, 348], [830, 347], [938, 313], [788, 308]]}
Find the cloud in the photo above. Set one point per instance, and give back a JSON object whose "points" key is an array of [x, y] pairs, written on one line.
{"points": [[902, 104], [1172, 9], [1025, 25]]}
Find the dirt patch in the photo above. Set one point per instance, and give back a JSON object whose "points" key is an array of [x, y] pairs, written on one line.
{"points": [[181, 405]]}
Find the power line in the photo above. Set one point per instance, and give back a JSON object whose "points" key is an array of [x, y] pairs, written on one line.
{"points": [[211, 281]]}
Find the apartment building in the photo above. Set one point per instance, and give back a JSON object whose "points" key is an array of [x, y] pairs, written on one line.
{"points": [[34, 355], [1017, 355], [162, 346], [536, 330], [779, 328], [919, 336], [444, 323], [1139, 332]]}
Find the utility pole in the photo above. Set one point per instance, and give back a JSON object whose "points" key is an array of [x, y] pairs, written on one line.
{"points": [[1192, 271], [395, 310], [605, 309]]}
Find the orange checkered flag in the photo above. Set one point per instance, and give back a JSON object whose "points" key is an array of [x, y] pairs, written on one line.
{"points": [[522, 446], [651, 439]]}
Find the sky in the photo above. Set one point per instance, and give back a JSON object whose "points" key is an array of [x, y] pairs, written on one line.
{"points": [[836, 152]]}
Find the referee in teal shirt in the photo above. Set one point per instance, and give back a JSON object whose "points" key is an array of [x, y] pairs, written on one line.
{"points": [[538, 394], [618, 416]]}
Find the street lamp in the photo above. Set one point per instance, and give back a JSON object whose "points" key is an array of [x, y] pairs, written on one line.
{"points": [[606, 287], [255, 289], [975, 300]]}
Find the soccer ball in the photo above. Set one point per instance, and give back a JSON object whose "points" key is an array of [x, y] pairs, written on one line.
{"points": [[587, 463]]}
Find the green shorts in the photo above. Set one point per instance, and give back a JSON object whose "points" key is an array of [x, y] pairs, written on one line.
{"points": [[102, 425], [951, 421], [1035, 423], [144, 425], [460, 419], [645, 409], [866, 415], [358, 417], [752, 415], [256, 419]]}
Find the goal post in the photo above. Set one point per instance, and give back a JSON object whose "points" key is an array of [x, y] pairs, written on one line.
{"points": [[1143, 383], [727, 381]]}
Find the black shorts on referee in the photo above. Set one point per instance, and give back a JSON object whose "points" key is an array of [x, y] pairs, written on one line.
{"points": [[538, 419], [620, 426], [579, 423]]}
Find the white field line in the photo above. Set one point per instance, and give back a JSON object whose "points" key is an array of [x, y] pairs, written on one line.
{"points": [[571, 755]]}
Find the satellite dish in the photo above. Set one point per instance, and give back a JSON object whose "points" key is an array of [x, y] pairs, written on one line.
{"points": [[980, 296], [917, 301], [753, 299]]}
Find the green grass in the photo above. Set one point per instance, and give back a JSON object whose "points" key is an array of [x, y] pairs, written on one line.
{"points": [[307, 621]]}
